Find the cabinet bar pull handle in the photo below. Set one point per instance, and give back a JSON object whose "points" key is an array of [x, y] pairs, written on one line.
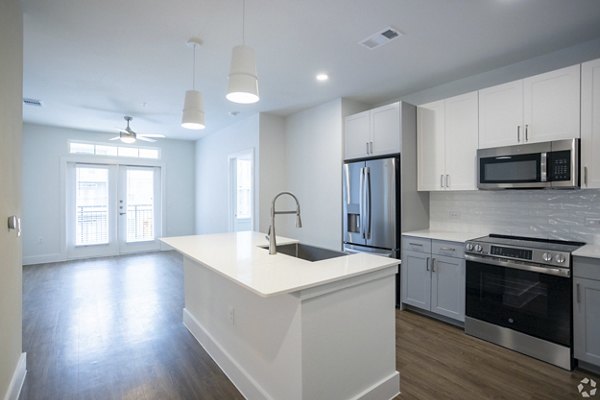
{"points": [[578, 294], [371, 147], [585, 176], [433, 265], [427, 264], [447, 180], [442, 180], [526, 132], [447, 249], [367, 143], [518, 133], [416, 244]]}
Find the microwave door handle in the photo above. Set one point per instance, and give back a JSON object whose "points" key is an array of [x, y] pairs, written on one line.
{"points": [[544, 167]]}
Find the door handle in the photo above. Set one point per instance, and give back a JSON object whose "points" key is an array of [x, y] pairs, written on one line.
{"points": [[368, 201], [361, 201], [122, 213], [427, 264], [14, 223]]}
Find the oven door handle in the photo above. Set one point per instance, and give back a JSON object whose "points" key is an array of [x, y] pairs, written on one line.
{"points": [[562, 272]]}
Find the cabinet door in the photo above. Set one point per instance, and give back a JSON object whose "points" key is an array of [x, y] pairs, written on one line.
{"points": [[430, 146], [356, 135], [461, 139], [385, 129], [590, 124], [501, 115], [552, 105], [448, 287], [586, 320], [416, 280]]}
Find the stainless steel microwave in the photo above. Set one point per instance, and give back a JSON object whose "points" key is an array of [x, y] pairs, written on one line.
{"points": [[530, 166]]}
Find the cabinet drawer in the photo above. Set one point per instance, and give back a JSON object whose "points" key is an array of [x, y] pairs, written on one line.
{"points": [[416, 244], [450, 249], [584, 267]]}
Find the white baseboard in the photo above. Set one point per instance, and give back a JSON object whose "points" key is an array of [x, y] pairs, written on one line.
{"points": [[16, 383], [249, 388], [43, 259]]}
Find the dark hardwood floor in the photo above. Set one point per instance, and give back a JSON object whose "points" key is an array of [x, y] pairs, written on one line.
{"points": [[110, 328]]}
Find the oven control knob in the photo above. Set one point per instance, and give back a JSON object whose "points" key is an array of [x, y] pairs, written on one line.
{"points": [[559, 258], [547, 256], [478, 248], [469, 246]]}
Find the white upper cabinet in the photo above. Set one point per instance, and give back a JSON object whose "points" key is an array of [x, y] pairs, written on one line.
{"points": [[590, 124], [447, 142], [537, 109], [372, 133]]}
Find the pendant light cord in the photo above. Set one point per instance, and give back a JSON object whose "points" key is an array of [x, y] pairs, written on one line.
{"points": [[243, 22], [194, 69]]}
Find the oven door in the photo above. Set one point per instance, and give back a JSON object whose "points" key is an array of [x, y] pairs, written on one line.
{"points": [[533, 303]]}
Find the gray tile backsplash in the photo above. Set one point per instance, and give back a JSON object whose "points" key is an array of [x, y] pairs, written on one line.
{"points": [[555, 214]]}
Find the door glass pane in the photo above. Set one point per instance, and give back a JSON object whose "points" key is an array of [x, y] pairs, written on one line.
{"points": [[91, 206], [140, 205], [244, 189]]}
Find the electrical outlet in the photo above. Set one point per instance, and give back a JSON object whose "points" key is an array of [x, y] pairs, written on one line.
{"points": [[40, 240], [231, 315], [592, 221], [453, 214]]}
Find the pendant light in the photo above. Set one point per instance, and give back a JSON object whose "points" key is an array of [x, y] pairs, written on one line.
{"points": [[243, 80], [193, 111]]}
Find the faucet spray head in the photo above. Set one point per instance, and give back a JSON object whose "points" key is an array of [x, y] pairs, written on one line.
{"points": [[298, 221]]}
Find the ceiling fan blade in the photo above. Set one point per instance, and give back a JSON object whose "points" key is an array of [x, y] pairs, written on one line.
{"points": [[145, 139], [152, 135], [115, 138]]}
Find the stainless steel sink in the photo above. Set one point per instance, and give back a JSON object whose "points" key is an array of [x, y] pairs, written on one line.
{"points": [[306, 252]]}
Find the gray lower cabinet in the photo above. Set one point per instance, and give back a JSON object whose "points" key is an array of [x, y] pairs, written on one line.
{"points": [[586, 310], [433, 276]]}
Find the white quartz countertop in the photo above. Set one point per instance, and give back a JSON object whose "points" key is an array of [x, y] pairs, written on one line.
{"points": [[237, 256], [589, 250], [445, 235]]}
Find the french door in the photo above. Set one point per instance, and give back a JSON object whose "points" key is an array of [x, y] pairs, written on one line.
{"points": [[112, 209]]}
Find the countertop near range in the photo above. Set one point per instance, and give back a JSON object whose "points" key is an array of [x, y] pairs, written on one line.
{"points": [[450, 236], [237, 257], [589, 250]]}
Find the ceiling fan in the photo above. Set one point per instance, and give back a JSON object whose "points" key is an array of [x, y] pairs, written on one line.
{"points": [[128, 135]]}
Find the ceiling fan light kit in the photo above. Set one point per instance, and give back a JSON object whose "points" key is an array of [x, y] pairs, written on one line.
{"points": [[129, 136], [243, 79], [193, 107]]}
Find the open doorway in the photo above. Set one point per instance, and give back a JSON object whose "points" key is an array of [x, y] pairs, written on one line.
{"points": [[241, 191]]}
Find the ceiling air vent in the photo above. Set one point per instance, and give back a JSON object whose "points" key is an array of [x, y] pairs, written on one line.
{"points": [[380, 38], [32, 102]]}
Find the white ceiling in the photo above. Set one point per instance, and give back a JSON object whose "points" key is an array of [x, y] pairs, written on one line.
{"points": [[91, 62]]}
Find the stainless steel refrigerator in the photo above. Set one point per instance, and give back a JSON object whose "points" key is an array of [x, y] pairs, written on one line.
{"points": [[372, 206], [371, 219]]}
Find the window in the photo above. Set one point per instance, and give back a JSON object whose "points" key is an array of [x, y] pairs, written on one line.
{"points": [[244, 188], [99, 149]]}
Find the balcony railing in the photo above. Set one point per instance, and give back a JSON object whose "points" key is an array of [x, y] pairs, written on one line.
{"points": [[91, 225], [140, 222]]}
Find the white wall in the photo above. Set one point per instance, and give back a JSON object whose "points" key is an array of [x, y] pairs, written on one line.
{"points": [[212, 173], [43, 147], [272, 169], [562, 58], [12, 366], [313, 159]]}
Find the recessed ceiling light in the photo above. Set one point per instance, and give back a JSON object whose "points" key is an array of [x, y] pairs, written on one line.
{"points": [[322, 77]]}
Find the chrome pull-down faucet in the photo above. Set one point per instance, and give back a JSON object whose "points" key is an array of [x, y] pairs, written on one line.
{"points": [[271, 234]]}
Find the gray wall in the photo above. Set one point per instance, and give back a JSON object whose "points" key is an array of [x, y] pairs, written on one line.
{"points": [[11, 82], [43, 212]]}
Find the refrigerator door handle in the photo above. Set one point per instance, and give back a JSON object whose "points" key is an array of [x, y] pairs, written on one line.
{"points": [[368, 203], [361, 195]]}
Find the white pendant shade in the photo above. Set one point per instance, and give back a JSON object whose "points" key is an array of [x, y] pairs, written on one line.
{"points": [[243, 80], [193, 114]]}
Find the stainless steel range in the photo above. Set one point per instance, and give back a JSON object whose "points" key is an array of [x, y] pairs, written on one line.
{"points": [[519, 295]]}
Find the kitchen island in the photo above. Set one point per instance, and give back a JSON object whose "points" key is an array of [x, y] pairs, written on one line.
{"points": [[281, 327]]}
